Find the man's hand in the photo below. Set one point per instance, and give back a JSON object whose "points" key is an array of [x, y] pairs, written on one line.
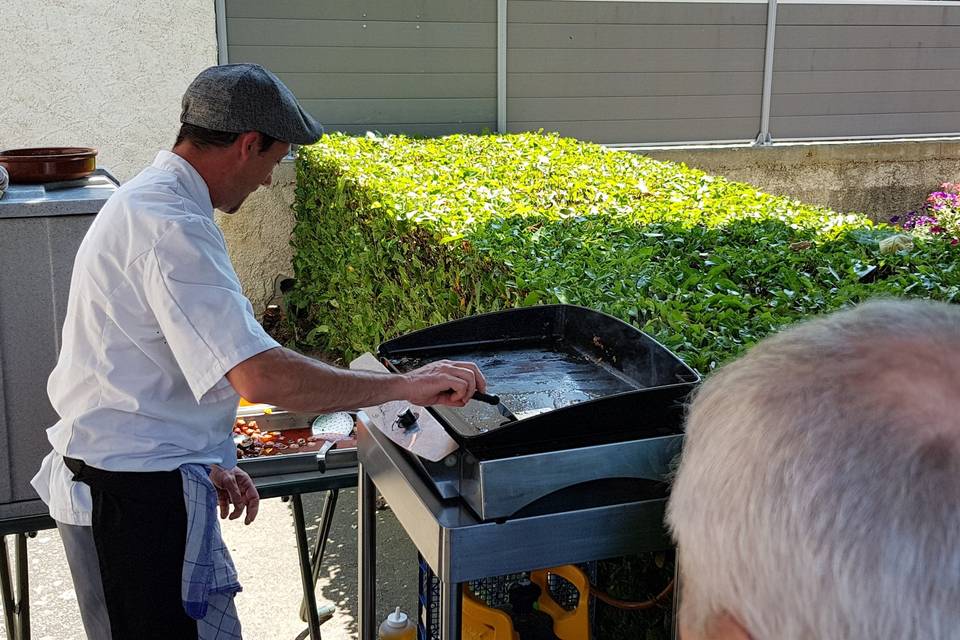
{"points": [[234, 487], [445, 382], [295, 382]]}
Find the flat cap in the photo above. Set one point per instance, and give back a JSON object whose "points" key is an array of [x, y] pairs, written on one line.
{"points": [[246, 97]]}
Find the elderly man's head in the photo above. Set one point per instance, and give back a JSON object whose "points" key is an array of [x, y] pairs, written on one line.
{"points": [[819, 491]]}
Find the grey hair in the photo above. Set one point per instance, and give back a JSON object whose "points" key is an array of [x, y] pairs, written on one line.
{"points": [[818, 494]]}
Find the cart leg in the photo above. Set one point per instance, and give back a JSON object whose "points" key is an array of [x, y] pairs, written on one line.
{"points": [[450, 605], [303, 550], [6, 587], [320, 546], [367, 554]]}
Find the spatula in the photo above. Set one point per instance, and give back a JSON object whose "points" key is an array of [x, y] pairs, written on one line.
{"points": [[494, 400]]}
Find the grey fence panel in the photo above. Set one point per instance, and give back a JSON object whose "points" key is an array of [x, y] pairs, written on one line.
{"points": [[613, 109], [871, 59], [313, 86], [853, 81], [357, 60], [395, 10], [635, 72], [402, 110], [663, 61], [857, 70], [870, 124], [857, 36], [636, 13], [359, 33], [867, 14], [613, 130], [617, 85], [626, 36], [424, 67], [904, 102]]}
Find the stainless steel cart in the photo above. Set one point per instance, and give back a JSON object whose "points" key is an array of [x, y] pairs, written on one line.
{"points": [[459, 547]]}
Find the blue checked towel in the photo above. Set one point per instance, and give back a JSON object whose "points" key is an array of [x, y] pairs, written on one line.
{"points": [[209, 579]]}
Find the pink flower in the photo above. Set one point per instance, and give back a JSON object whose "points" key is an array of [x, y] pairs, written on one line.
{"points": [[950, 187]]}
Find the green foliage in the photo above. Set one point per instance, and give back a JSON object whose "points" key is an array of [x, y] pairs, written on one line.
{"points": [[394, 234]]}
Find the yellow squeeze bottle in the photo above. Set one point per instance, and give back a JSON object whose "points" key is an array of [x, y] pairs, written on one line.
{"points": [[397, 626]]}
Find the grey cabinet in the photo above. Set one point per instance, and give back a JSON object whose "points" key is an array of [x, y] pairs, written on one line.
{"points": [[40, 231]]}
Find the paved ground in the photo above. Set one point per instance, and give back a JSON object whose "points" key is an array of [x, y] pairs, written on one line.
{"points": [[266, 556]]}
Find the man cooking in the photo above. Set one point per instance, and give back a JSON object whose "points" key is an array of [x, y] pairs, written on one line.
{"points": [[159, 344]]}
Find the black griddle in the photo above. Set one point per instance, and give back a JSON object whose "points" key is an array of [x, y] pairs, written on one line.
{"points": [[572, 376]]}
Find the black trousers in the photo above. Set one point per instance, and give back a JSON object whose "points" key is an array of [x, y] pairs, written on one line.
{"points": [[140, 531]]}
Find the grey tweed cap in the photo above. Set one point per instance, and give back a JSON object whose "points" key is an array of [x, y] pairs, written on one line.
{"points": [[246, 97]]}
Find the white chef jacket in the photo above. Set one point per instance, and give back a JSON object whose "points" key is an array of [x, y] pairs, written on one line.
{"points": [[155, 319]]}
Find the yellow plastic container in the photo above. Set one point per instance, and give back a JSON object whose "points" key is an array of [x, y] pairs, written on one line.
{"points": [[481, 622], [567, 625]]}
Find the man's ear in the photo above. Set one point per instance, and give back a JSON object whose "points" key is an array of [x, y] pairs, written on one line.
{"points": [[248, 144], [726, 627], [721, 627]]}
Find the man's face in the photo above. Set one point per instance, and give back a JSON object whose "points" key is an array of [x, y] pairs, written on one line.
{"points": [[254, 169]]}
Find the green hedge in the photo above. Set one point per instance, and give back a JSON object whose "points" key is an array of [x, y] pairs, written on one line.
{"points": [[395, 233]]}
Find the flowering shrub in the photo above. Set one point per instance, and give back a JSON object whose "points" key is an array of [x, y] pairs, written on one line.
{"points": [[938, 216]]}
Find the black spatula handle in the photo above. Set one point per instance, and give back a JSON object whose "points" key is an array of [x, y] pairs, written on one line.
{"points": [[485, 397]]}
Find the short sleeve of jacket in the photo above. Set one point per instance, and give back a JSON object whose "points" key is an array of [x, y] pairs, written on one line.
{"points": [[196, 297]]}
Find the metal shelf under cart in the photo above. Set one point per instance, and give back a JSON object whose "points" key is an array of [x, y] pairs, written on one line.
{"points": [[458, 547], [16, 598]]}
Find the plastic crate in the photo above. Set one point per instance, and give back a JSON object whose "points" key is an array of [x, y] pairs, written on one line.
{"points": [[428, 603]]}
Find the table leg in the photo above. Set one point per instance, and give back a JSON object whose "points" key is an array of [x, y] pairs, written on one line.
{"points": [[16, 600], [367, 554], [6, 587], [303, 551], [451, 601], [320, 546], [23, 585]]}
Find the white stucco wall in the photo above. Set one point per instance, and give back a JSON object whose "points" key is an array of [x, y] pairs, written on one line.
{"points": [[258, 236], [110, 75], [101, 74]]}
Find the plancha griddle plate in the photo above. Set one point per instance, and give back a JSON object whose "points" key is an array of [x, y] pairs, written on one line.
{"points": [[571, 376]]}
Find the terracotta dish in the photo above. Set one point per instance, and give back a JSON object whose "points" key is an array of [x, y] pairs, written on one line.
{"points": [[48, 164]]}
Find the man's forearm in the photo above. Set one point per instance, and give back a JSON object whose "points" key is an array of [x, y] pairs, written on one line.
{"points": [[295, 382]]}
